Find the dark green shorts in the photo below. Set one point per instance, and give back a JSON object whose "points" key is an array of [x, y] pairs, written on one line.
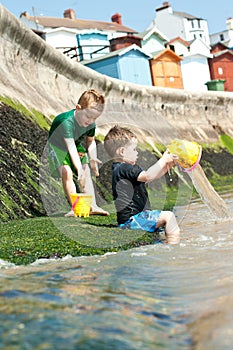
{"points": [[58, 157]]}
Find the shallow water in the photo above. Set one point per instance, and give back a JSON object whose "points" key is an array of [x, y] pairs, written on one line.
{"points": [[153, 297]]}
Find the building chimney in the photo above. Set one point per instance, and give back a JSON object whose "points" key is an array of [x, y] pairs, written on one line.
{"points": [[24, 14], [69, 13], [229, 23], [117, 18], [165, 5]]}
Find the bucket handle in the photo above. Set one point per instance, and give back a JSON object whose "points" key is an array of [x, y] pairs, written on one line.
{"points": [[75, 202]]}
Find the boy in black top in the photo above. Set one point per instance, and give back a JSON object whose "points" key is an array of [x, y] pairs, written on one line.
{"points": [[128, 185]]}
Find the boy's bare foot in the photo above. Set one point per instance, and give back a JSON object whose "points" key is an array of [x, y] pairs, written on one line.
{"points": [[94, 211], [98, 211], [69, 214]]}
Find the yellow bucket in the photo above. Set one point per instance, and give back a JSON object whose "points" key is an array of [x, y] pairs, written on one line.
{"points": [[189, 153], [81, 204]]}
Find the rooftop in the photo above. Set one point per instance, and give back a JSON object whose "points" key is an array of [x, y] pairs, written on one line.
{"points": [[70, 21]]}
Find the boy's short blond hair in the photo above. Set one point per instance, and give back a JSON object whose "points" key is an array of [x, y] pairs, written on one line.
{"points": [[117, 137], [91, 99]]}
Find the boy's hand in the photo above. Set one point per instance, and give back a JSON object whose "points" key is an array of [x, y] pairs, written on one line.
{"points": [[81, 179], [94, 165], [170, 158]]}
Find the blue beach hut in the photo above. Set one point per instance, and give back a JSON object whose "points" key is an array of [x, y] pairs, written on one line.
{"points": [[129, 64], [92, 45]]}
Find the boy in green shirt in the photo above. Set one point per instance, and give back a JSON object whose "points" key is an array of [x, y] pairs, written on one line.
{"points": [[68, 156]]}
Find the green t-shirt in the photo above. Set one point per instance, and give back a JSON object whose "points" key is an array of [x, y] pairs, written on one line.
{"points": [[64, 126]]}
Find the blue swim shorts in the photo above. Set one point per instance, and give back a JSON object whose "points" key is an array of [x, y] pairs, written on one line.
{"points": [[145, 220]]}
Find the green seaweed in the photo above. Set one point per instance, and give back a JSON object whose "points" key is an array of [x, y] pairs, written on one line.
{"points": [[24, 241], [43, 121], [227, 141]]}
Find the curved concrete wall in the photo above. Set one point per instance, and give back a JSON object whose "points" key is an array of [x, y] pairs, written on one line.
{"points": [[40, 77]]}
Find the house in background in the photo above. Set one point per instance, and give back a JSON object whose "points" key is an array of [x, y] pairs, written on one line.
{"points": [[174, 48], [198, 45], [195, 67], [58, 37], [165, 63], [225, 37], [221, 65], [68, 34], [174, 23], [180, 46], [153, 40], [195, 72], [33, 25], [166, 70], [91, 45], [130, 64], [124, 41]]}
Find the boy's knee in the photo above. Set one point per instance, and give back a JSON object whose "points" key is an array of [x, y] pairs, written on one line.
{"points": [[167, 215], [171, 215], [86, 170], [66, 172]]}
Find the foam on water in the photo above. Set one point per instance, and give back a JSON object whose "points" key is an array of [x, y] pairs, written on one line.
{"points": [[6, 264]]}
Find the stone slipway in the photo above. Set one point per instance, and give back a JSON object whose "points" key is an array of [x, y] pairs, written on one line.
{"points": [[40, 77]]}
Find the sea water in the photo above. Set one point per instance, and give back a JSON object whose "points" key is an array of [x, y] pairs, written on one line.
{"points": [[153, 297]]}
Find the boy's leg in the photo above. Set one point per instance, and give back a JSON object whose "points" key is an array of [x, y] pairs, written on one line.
{"points": [[89, 188], [69, 187], [68, 184], [172, 230]]}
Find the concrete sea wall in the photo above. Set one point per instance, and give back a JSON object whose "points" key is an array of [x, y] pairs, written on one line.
{"points": [[40, 77]]}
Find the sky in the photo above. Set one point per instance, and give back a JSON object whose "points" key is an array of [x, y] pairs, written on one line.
{"points": [[136, 14]]}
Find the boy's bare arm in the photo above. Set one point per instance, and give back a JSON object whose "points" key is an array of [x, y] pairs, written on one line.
{"points": [[74, 156], [92, 152], [159, 168]]}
